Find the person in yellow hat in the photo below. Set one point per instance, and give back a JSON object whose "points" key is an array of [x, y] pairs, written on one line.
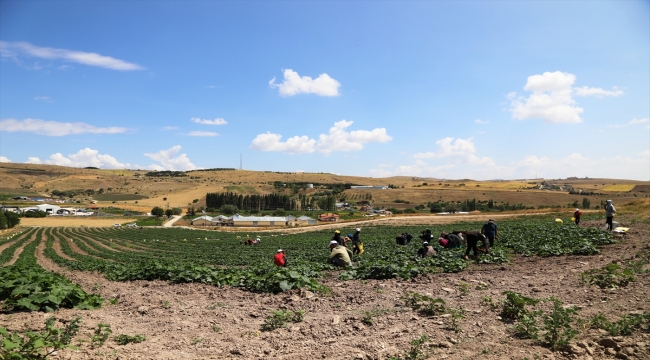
{"points": [[338, 238]]}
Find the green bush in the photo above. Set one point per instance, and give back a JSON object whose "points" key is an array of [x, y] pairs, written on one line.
{"points": [[279, 319], [38, 345], [514, 306]]}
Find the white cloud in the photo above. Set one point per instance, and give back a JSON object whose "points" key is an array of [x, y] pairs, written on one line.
{"points": [[33, 160], [552, 98], [450, 147], [587, 91], [55, 128], [14, 50], [168, 128], [479, 121], [4, 159], [84, 157], [44, 98], [338, 139], [645, 154], [293, 145], [202, 133], [632, 122], [169, 162], [217, 121], [456, 158], [294, 84], [639, 121]]}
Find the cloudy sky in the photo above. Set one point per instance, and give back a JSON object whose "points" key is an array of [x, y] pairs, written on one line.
{"points": [[446, 89]]}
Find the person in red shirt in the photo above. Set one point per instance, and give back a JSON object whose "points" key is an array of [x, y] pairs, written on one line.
{"points": [[576, 216], [280, 259]]}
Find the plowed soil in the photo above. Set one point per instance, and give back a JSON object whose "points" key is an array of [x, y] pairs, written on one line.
{"points": [[194, 321]]}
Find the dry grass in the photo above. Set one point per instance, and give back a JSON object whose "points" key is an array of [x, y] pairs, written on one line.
{"points": [[90, 221], [619, 188], [30, 179]]}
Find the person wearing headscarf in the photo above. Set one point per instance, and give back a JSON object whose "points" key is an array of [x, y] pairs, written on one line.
{"points": [[426, 250], [280, 259], [610, 211], [576, 216]]}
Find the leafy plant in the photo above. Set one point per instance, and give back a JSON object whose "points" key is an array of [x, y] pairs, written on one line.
{"points": [[463, 287], [610, 276], [123, 339], [557, 325], [527, 326], [113, 301], [625, 326], [426, 305], [416, 352], [455, 319], [38, 345], [166, 304], [279, 318], [369, 315], [514, 306], [216, 328], [100, 335], [486, 300]]}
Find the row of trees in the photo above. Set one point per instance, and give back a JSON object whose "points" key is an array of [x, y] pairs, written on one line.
{"points": [[472, 205], [8, 219], [250, 202]]}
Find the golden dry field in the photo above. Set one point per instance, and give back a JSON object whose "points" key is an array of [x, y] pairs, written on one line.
{"points": [[91, 221], [133, 190]]}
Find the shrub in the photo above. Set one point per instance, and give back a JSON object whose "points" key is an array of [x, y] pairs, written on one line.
{"points": [[229, 209], [514, 306], [557, 325], [279, 319], [38, 345]]}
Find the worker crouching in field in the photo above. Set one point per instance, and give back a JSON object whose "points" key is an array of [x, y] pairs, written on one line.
{"points": [[576, 216], [280, 259], [473, 239], [450, 241], [339, 255], [426, 250]]}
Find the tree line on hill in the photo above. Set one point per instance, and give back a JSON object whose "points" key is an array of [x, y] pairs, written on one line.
{"points": [[249, 202], [8, 219]]}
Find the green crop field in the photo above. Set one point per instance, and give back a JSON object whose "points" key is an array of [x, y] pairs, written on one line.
{"points": [[184, 256]]}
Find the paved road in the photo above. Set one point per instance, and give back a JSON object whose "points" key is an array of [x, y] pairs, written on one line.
{"points": [[172, 221]]}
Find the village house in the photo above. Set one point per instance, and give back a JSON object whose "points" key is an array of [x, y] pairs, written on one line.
{"points": [[328, 217]]}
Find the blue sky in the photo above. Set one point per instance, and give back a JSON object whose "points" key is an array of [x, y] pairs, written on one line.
{"points": [[446, 89]]}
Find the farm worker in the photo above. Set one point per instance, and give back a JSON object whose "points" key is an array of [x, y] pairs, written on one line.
{"points": [[356, 242], [280, 259], [490, 230], [426, 250], [472, 241], [576, 216], [425, 235], [450, 241], [408, 237], [610, 211], [401, 239], [339, 255], [338, 238]]}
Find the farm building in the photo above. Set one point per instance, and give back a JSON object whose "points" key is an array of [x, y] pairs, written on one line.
{"points": [[50, 209], [204, 220], [328, 217], [303, 220], [254, 221], [221, 220]]}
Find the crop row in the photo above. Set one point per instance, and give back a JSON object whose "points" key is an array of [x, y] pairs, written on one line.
{"points": [[182, 255]]}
